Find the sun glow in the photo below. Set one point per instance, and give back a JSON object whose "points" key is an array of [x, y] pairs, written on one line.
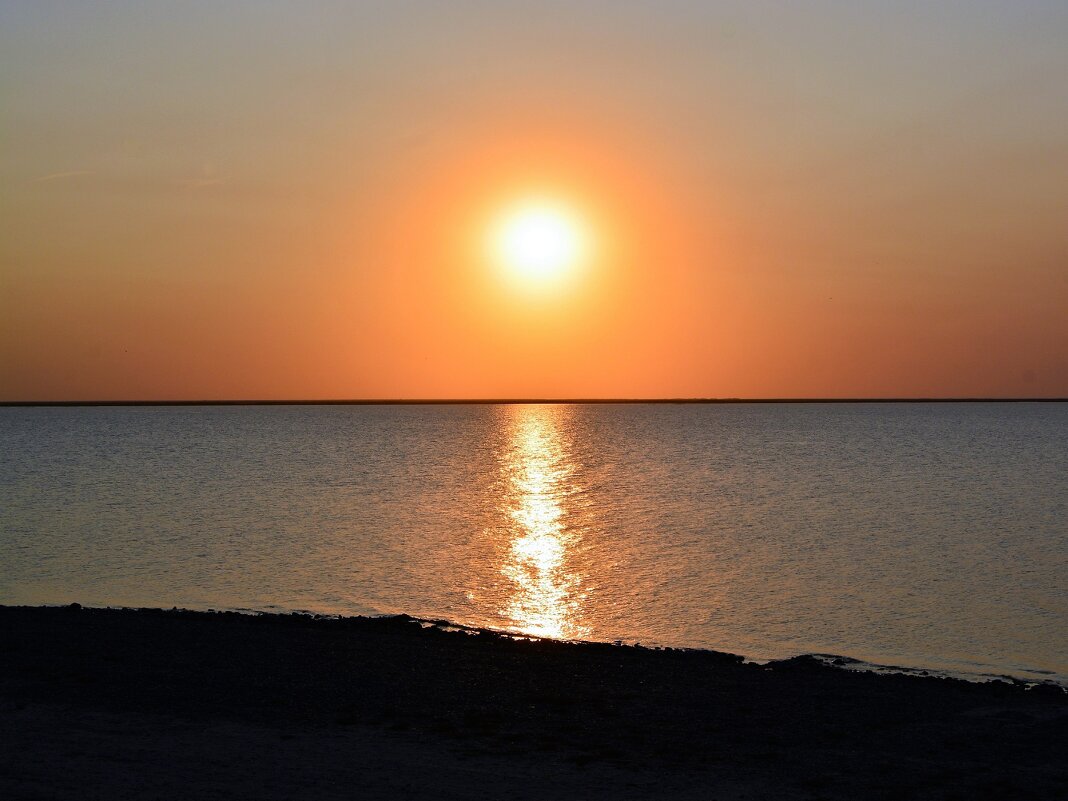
{"points": [[538, 239]]}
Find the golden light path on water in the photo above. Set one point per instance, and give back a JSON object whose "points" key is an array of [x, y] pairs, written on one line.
{"points": [[545, 597]]}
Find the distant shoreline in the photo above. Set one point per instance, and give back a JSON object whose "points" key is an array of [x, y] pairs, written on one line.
{"points": [[511, 401]]}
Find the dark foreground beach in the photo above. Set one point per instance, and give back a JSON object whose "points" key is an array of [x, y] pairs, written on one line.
{"points": [[114, 704]]}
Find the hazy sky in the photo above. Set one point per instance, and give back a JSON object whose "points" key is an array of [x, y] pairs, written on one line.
{"points": [[271, 200]]}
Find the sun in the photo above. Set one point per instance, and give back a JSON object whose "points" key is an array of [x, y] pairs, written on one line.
{"points": [[538, 239]]}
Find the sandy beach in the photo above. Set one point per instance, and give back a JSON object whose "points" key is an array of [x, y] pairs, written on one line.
{"points": [[173, 704]]}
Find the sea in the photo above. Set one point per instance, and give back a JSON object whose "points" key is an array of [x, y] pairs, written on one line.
{"points": [[920, 536]]}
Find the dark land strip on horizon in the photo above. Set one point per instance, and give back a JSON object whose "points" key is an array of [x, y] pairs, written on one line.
{"points": [[509, 401]]}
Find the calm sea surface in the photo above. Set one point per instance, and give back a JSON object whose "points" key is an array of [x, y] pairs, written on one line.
{"points": [[926, 535]]}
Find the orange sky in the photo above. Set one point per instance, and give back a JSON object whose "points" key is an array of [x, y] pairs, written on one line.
{"points": [[291, 202]]}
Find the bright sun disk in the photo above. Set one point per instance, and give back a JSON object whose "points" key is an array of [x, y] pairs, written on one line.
{"points": [[538, 239]]}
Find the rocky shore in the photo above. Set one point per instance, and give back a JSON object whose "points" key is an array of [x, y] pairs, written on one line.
{"points": [[109, 704]]}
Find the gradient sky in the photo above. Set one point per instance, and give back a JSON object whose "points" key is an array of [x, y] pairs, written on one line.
{"points": [[273, 200]]}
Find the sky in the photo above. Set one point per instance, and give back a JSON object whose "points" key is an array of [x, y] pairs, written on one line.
{"points": [[205, 200]]}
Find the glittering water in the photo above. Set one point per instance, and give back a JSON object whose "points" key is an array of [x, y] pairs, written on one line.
{"points": [[927, 535]]}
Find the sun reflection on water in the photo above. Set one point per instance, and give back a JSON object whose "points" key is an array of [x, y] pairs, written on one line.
{"points": [[546, 597]]}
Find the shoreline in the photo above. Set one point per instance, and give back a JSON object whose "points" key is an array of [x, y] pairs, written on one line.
{"points": [[1027, 677], [402, 706], [845, 662]]}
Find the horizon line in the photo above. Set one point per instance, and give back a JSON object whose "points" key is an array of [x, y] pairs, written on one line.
{"points": [[516, 401]]}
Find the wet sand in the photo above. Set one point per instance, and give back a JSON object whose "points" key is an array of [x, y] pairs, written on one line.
{"points": [[169, 704]]}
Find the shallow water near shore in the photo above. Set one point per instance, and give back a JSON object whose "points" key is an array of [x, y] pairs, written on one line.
{"points": [[933, 536]]}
